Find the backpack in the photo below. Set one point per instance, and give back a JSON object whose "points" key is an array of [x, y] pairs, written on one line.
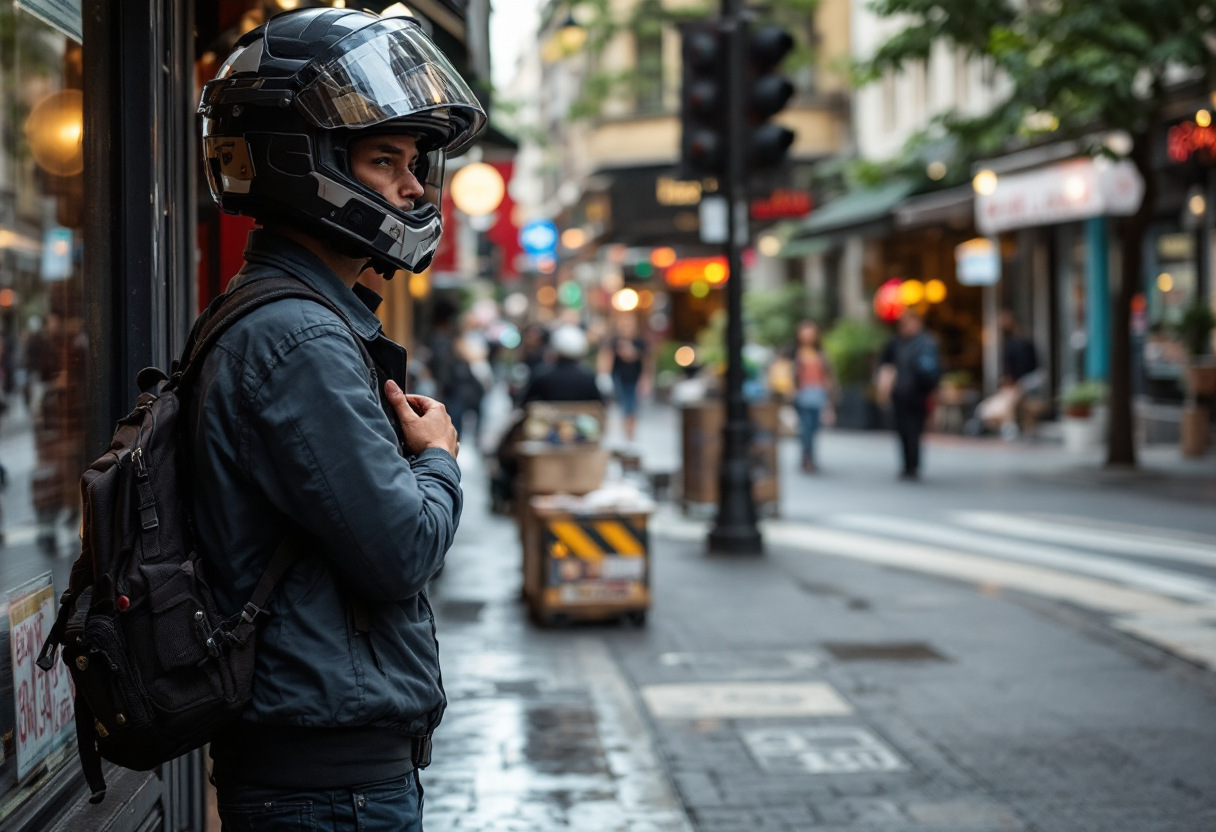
{"points": [[157, 669], [918, 369]]}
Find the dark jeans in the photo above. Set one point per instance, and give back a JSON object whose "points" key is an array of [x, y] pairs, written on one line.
{"points": [[393, 806], [909, 424]]}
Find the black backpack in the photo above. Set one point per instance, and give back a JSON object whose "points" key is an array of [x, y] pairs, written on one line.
{"points": [[157, 668]]}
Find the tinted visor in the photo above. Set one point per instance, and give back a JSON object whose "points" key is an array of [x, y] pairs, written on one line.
{"points": [[389, 70]]}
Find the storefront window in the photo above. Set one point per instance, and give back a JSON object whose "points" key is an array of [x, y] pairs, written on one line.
{"points": [[1172, 287], [43, 347]]}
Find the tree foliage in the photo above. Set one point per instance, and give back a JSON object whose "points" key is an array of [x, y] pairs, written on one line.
{"points": [[1070, 66]]}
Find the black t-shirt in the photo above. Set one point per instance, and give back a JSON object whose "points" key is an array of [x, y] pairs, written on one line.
{"points": [[1020, 358], [627, 370]]}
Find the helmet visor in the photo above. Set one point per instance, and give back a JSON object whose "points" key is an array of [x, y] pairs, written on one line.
{"points": [[389, 70]]}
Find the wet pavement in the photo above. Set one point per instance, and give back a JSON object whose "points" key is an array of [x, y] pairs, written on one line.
{"points": [[827, 687]]}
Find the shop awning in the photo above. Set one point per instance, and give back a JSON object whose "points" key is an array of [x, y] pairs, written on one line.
{"points": [[805, 247], [954, 207], [856, 208]]}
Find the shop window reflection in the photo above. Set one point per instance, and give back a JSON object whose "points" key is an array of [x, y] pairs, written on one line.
{"points": [[43, 348]]}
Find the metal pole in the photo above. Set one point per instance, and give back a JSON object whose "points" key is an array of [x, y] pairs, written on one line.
{"points": [[735, 529]]}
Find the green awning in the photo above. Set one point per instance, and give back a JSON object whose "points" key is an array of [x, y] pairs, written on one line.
{"points": [[856, 208], [805, 247]]}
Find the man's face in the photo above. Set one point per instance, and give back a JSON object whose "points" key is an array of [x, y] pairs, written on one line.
{"points": [[909, 326], [387, 165]]}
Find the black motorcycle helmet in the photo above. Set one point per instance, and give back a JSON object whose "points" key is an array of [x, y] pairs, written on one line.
{"points": [[281, 112]]}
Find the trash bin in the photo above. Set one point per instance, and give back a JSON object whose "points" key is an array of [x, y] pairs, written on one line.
{"points": [[701, 440], [585, 563]]}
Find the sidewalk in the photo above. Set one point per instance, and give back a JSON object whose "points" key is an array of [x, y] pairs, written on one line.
{"points": [[803, 692]]}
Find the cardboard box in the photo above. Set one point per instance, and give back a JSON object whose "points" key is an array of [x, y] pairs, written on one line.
{"points": [[560, 469]]}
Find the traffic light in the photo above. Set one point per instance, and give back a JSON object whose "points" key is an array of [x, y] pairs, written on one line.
{"points": [[702, 100], [768, 93]]}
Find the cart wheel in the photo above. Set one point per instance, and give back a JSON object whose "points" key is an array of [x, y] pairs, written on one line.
{"points": [[637, 618]]}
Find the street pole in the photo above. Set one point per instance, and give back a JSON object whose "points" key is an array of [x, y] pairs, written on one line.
{"points": [[735, 530]]}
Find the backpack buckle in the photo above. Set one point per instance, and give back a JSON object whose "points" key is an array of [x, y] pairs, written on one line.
{"points": [[251, 612]]}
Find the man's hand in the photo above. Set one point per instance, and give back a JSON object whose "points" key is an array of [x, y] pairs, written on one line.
{"points": [[424, 421]]}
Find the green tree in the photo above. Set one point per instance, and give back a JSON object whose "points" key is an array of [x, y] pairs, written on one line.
{"points": [[1074, 68]]}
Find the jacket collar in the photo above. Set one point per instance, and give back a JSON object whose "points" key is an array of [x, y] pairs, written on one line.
{"points": [[265, 248]]}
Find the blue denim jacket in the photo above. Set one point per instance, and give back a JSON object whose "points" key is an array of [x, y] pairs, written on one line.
{"points": [[287, 430]]}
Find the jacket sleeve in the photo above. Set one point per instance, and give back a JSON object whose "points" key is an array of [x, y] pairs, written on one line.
{"points": [[320, 446]]}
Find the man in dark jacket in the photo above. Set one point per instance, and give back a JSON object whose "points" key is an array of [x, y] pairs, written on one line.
{"points": [[568, 379], [909, 370], [317, 127]]}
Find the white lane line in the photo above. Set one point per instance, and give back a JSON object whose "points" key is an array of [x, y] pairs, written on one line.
{"points": [[1177, 585], [1142, 542], [644, 792], [1188, 630]]}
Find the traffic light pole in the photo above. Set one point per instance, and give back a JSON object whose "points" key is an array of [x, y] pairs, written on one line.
{"points": [[735, 530]]}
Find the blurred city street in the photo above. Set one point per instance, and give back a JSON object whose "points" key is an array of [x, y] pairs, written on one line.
{"points": [[1019, 642]]}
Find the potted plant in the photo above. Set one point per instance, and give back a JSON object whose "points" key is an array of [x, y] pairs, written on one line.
{"points": [[1082, 430], [851, 347], [1194, 330]]}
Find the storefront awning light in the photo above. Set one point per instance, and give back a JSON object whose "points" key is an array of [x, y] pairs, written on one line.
{"points": [[690, 270], [478, 189], [626, 300], [985, 183], [54, 131]]}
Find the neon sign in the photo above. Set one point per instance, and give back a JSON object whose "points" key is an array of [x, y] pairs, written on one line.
{"points": [[1187, 139]]}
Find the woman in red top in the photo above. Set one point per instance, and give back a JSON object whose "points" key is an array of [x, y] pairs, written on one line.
{"points": [[813, 383]]}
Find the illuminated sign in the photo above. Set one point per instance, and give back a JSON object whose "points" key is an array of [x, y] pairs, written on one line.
{"points": [[668, 191], [782, 204], [1187, 140], [690, 270], [1064, 192]]}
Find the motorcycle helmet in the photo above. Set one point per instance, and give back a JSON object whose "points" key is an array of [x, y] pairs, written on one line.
{"points": [[281, 113]]}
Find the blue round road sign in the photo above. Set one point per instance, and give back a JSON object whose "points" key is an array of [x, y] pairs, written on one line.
{"points": [[538, 237]]}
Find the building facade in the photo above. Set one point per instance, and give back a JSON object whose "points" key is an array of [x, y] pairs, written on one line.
{"points": [[108, 246]]}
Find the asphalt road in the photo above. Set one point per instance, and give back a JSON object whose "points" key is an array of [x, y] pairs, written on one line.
{"points": [[1020, 642]]}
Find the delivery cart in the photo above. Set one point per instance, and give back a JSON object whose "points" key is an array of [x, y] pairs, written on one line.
{"points": [[585, 563]]}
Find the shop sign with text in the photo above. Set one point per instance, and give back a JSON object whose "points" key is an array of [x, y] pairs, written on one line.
{"points": [[43, 700], [1066, 192]]}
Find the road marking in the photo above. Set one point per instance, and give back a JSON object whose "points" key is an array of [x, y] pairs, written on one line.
{"points": [[1166, 582], [836, 749], [1140, 541], [1176, 626], [745, 664], [744, 700]]}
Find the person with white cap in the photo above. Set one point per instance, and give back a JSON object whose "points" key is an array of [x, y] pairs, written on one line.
{"points": [[568, 379]]}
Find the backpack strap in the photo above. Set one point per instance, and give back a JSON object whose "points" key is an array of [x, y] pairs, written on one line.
{"points": [[220, 315], [230, 307], [86, 745], [282, 559]]}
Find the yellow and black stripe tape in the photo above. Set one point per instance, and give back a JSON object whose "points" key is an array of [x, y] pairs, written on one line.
{"points": [[591, 540]]}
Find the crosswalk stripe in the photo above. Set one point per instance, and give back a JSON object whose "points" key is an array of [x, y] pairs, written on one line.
{"points": [[1143, 576], [1143, 542]]}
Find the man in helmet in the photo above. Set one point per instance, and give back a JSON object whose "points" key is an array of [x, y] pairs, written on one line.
{"points": [[329, 127]]}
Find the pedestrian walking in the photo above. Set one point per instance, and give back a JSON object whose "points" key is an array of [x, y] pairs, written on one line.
{"points": [[909, 369], [330, 128], [625, 356], [813, 388]]}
